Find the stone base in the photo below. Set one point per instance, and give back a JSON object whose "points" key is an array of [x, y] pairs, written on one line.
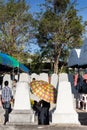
{"points": [[2, 111], [65, 118], [21, 117]]}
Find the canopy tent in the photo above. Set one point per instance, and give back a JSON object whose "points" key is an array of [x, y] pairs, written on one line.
{"points": [[15, 63], [4, 60], [23, 68], [78, 57], [7, 61], [73, 59], [83, 55]]}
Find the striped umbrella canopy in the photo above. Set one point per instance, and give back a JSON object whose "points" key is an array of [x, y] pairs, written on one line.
{"points": [[44, 90]]}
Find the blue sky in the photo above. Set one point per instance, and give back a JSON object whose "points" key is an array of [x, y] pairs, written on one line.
{"points": [[35, 4], [81, 6]]}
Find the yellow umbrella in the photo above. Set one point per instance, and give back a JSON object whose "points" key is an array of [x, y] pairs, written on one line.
{"points": [[44, 90]]}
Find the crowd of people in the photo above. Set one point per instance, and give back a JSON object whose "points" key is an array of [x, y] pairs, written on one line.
{"points": [[81, 84]]}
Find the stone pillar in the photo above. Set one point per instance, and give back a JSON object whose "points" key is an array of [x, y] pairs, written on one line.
{"points": [[24, 77], [22, 112], [54, 80], [34, 75], [65, 112], [7, 77], [2, 111], [44, 77], [63, 77]]}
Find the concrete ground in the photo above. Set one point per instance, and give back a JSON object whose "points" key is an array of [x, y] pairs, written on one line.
{"points": [[82, 118], [49, 127]]}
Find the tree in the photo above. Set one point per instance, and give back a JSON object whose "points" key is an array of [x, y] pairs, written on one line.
{"points": [[16, 26], [36, 64], [59, 30]]}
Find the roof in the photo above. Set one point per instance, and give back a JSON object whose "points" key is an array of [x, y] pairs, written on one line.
{"points": [[74, 57], [83, 54]]}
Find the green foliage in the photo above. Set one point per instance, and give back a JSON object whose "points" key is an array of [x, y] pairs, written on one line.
{"points": [[60, 29], [60, 6], [16, 25], [36, 64]]}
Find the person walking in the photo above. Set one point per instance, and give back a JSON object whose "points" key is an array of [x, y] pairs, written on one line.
{"points": [[6, 98]]}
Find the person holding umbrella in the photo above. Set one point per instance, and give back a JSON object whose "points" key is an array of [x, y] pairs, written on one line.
{"points": [[47, 93], [44, 90], [42, 110], [44, 114]]}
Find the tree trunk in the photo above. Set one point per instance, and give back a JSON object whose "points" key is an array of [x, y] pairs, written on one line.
{"points": [[56, 62]]}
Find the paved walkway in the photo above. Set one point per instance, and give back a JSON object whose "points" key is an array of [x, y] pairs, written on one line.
{"points": [[82, 118], [36, 127]]}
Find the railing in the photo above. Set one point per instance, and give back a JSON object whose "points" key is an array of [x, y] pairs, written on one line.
{"points": [[82, 102]]}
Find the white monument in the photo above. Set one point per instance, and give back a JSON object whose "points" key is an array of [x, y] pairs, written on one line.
{"points": [[44, 77], [74, 90], [63, 77], [34, 75], [1, 112], [24, 77], [22, 98], [54, 80], [7, 77], [22, 112], [65, 112]]}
